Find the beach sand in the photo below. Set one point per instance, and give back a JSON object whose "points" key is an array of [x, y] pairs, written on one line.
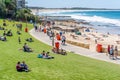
{"points": [[88, 38]]}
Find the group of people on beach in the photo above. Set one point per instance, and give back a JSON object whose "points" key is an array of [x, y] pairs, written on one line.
{"points": [[48, 30], [113, 52]]}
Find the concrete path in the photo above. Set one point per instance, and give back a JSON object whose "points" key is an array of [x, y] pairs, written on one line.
{"points": [[71, 48]]}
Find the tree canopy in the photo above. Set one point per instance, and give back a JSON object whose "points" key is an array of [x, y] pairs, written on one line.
{"points": [[8, 9]]}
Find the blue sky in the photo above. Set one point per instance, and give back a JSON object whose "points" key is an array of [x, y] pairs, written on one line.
{"points": [[75, 3]]}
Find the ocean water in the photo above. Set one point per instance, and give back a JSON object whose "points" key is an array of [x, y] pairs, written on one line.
{"points": [[102, 20]]}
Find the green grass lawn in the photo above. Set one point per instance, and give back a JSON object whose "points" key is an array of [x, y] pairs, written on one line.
{"points": [[70, 67]]}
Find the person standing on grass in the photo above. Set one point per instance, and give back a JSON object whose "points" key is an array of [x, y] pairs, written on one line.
{"points": [[19, 40]]}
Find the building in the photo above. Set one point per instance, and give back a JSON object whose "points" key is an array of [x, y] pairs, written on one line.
{"points": [[20, 4]]}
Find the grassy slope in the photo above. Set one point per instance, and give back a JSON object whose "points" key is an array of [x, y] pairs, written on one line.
{"points": [[70, 67]]}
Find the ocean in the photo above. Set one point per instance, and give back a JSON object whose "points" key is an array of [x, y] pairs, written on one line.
{"points": [[102, 20]]}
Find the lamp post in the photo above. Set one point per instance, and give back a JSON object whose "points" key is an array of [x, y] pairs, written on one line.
{"points": [[53, 35]]}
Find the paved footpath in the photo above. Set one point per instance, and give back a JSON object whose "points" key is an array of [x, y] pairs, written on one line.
{"points": [[71, 48]]}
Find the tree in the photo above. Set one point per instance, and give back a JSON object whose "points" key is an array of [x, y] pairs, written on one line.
{"points": [[10, 7], [23, 14], [2, 9]]}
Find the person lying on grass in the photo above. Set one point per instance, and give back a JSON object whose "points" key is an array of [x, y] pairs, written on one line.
{"points": [[45, 55], [29, 40], [26, 48], [22, 67]]}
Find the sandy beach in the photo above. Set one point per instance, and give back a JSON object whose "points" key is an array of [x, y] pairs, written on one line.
{"points": [[86, 37]]}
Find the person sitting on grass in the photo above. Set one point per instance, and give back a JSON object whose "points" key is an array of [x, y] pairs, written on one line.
{"points": [[9, 33], [18, 67], [41, 55], [4, 24], [4, 34], [29, 40], [63, 52], [54, 50], [47, 56], [26, 48], [18, 32], [3, 38], [24, 66]]}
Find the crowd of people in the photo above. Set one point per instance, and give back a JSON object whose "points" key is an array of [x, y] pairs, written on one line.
{"points": [[49, 31], [20, 67]]}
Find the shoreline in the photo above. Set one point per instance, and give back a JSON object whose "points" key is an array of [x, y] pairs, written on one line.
{"points": [[100, 23]]}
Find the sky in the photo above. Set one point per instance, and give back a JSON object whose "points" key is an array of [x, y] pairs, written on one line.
{"points": [[114, 4]]}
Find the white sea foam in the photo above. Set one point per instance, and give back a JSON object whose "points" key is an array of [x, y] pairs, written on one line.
{"points": [[97, 19], [83, 16]]}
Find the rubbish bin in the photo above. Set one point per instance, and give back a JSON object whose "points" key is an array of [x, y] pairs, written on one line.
{"points": [[26, 29], [57, 45], [99, 48], [45, 30]]}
